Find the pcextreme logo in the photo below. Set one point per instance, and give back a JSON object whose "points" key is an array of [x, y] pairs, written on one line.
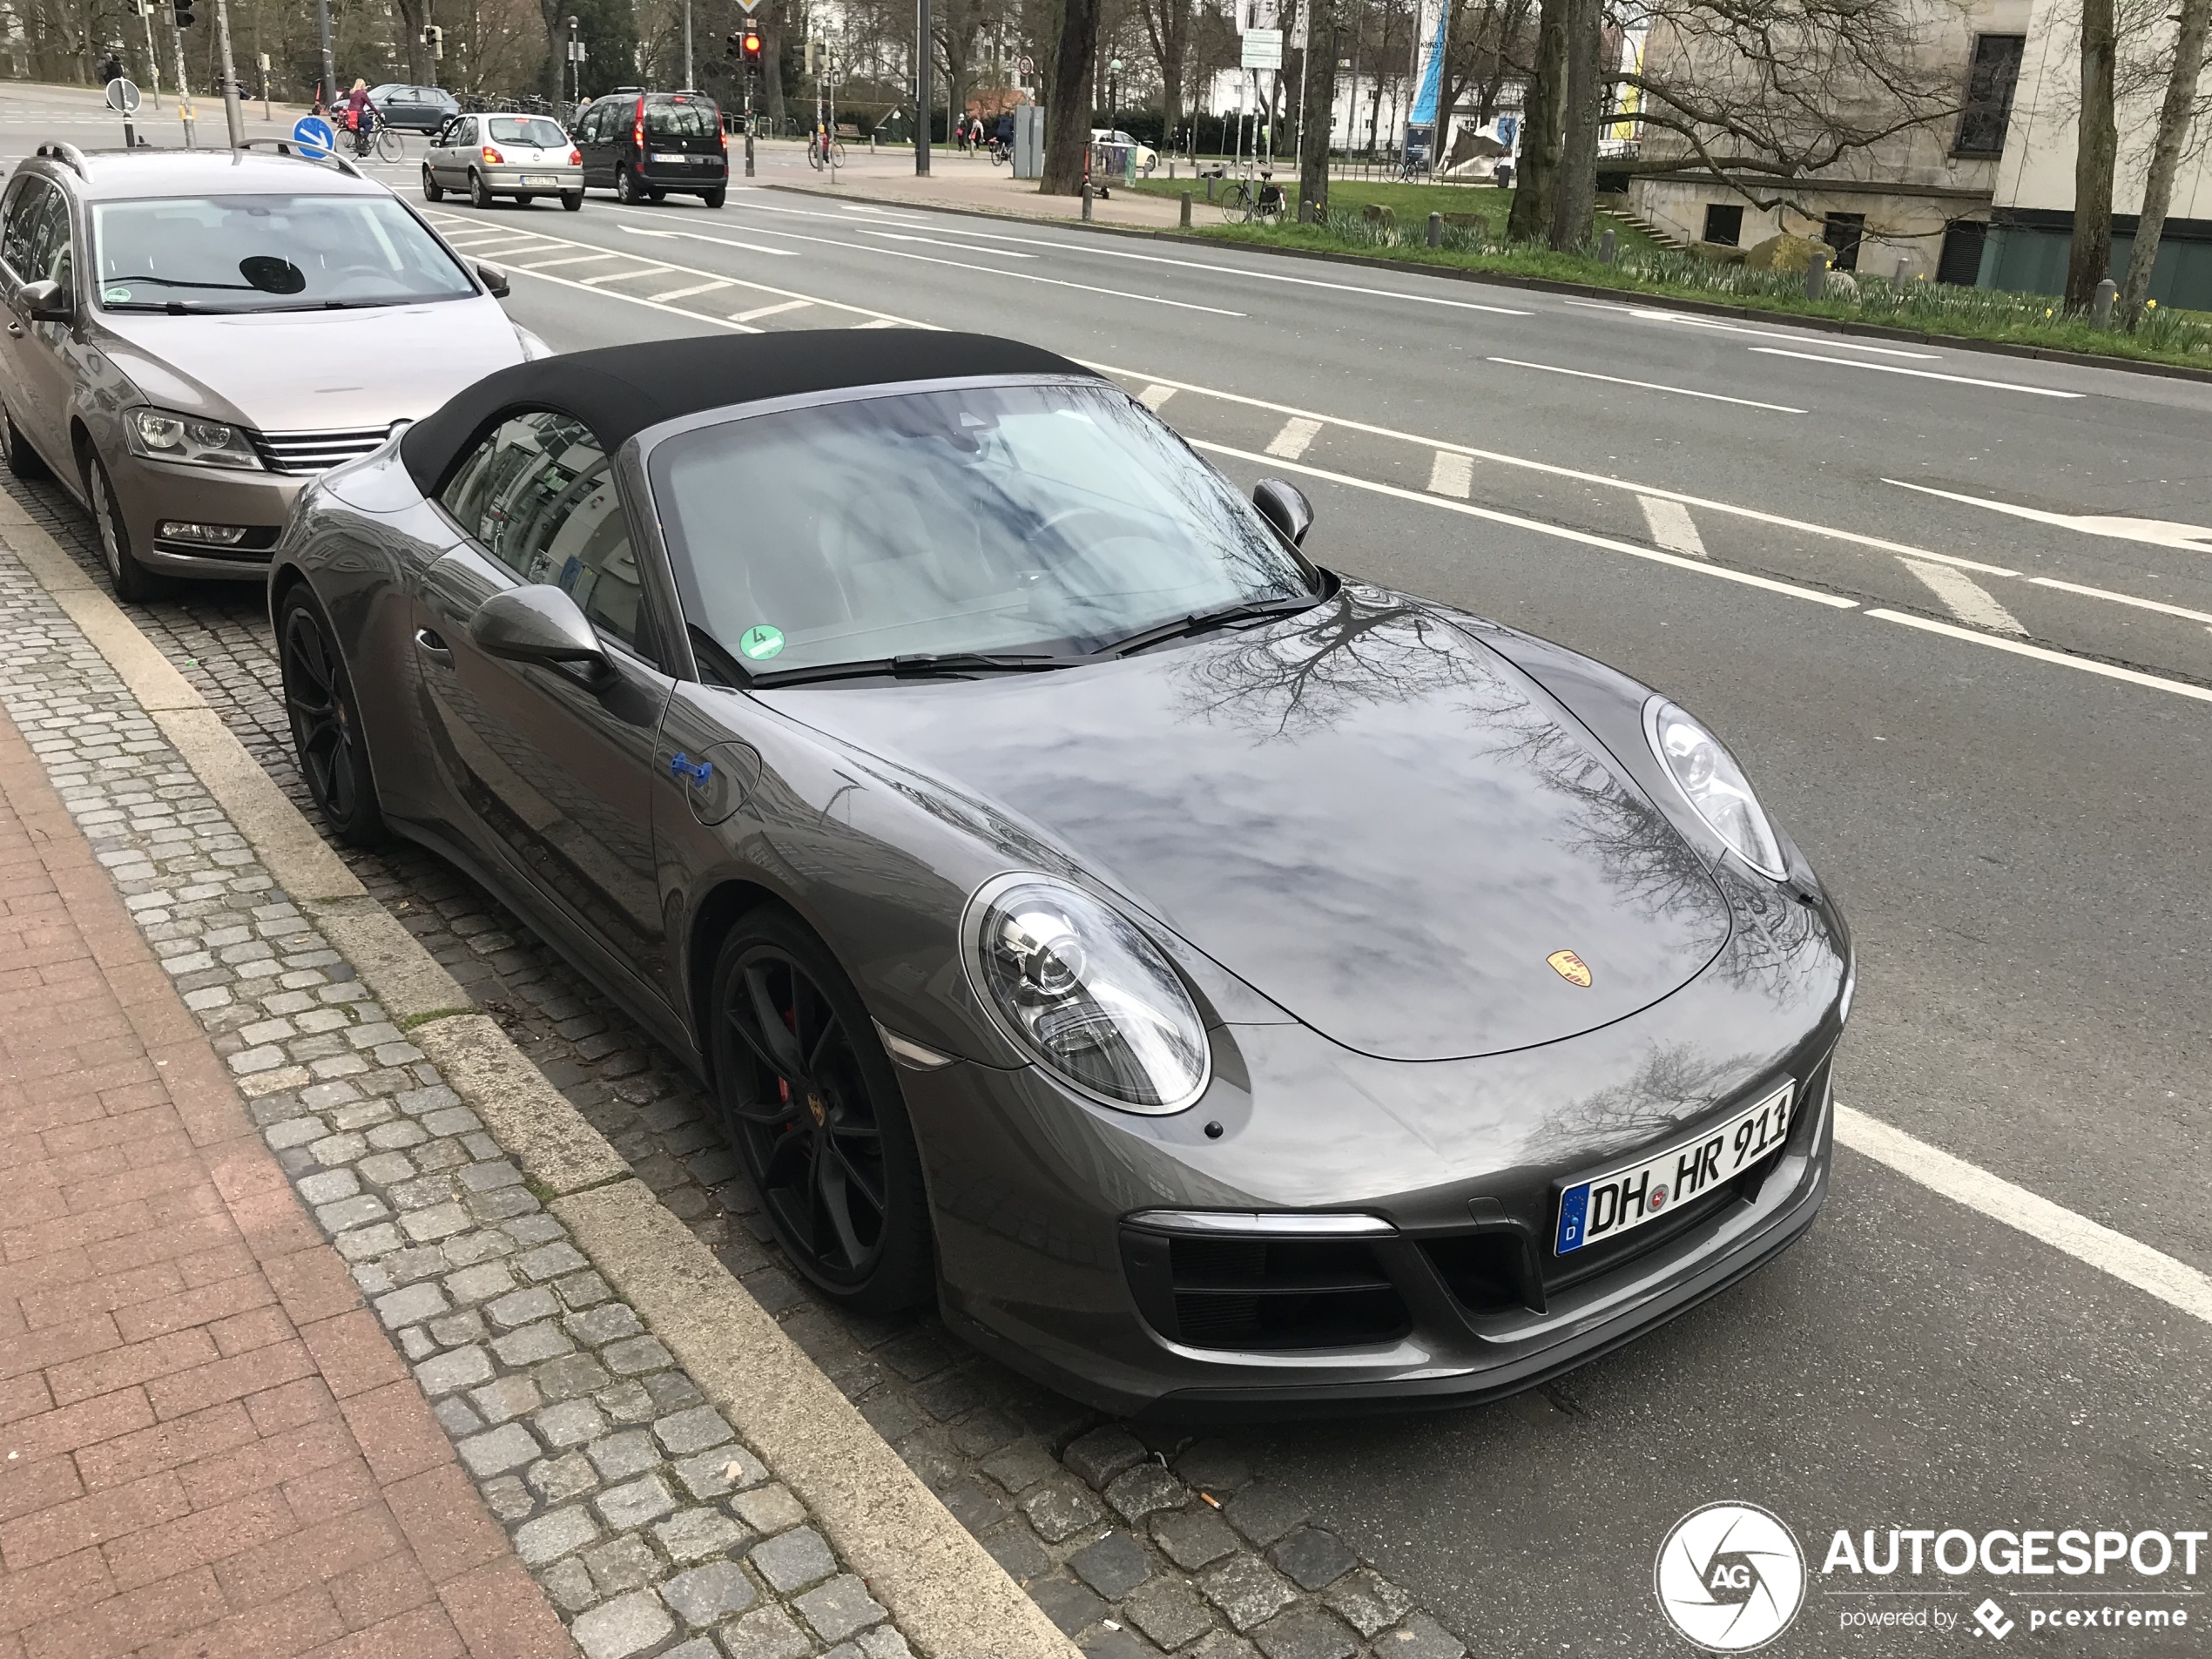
{"points": [[1730, 1577]]}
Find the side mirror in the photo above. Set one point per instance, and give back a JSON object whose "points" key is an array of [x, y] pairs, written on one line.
{"points": [[1285, 507], [48, 302], [494, 278], [538, 624]]}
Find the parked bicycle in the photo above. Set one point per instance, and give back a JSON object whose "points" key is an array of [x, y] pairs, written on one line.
{"points": [[1247, 202]]}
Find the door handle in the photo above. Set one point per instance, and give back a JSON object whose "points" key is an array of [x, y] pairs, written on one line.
{"points": [[433, 647]]}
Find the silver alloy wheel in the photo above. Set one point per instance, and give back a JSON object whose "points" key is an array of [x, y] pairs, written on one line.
{"points": [[104, 516]]}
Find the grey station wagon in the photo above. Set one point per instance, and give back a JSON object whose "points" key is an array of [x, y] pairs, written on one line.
{"points": [[189, 336]]}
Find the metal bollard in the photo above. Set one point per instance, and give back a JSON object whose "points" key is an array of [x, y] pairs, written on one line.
{"points": [[1170, 167], [1210, 184], [2100, 307], [1436, 230], [1182, 219], [1817, 272], [1605, 247], [1086, 199], [748, 155]]}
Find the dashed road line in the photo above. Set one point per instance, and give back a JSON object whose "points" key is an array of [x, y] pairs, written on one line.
{"points": [[1916, 374], [1965, 598], [573, 258], [2159, 605], [1648, 386], [770, 311], [697, 288], [1291, 442], [1649, 314], [1451, 474], [1672, 526], [1152, 397]]}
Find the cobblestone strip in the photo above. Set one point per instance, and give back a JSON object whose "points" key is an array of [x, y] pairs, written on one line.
{"points": [[1136, 1541], [651, 1526]]}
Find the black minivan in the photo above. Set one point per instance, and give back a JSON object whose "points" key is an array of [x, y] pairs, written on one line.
{"points": [[642, 146]]}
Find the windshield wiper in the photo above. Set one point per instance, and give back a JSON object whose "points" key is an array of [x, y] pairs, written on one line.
{"points": [[178, 282], [1199, 622], [921, 666]]}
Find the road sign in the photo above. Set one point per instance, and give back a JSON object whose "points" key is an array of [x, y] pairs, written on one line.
{"points": [[122, 96], [1262, 49], [314, 135], [748, 6]]}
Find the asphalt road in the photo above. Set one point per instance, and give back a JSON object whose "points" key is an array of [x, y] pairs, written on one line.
{"points": [[2017, 839]]}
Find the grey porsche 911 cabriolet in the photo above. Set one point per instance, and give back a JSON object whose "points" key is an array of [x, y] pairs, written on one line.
{"points": [[1217, 982]]}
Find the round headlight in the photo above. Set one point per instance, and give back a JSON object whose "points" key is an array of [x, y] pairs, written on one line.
{"points": [[1076, 986], [1714, 785], [160, 431]]}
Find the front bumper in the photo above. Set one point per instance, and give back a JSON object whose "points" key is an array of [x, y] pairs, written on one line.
{"points": [[152, 492]]}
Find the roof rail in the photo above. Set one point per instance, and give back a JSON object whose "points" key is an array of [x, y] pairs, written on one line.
{"points": [[291, 147], [68, 154]]}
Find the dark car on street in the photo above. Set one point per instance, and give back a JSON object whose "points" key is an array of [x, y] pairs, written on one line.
{"points": [[414, 109], [1217, 983], [646, 147]]}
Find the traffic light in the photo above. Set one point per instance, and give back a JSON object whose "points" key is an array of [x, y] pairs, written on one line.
{"points": [[435, 38], [749, 47], [184, 12]]}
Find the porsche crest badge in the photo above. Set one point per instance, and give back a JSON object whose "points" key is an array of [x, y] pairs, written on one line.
{"points": [[1570, 967]]}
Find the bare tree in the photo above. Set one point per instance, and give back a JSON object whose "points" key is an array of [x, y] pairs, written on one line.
{"points": [[1323, 24], [2096, 151], [1536, 183], [1167, 30], [1574, 196], [2173, 120], [1068, 110]]}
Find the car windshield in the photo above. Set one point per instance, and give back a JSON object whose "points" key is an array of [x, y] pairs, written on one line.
{"points": [[688, 119], [531, 130], [1047, 519], [269, 253]]}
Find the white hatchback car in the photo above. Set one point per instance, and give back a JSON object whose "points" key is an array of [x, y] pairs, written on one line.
{"points": [[517, 155], [1143, 157]]}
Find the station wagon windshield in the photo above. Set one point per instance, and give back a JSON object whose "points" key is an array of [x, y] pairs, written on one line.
{"points": [[1033, 520], [272, 253]]}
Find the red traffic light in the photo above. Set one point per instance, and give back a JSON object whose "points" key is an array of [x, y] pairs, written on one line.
{"points": [[751, 45]]}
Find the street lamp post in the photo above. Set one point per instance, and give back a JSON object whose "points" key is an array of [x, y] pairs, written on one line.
{"points": [[922, 93], [689, 82], [329, 63], [576, 64]]}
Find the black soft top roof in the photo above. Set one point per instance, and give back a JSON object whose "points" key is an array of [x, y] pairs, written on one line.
{"points": [[618, 391]]}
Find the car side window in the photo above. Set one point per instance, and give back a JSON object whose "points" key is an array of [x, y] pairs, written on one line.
{"points": [[50, 252], [464, 133], [26, 200], [539, 494]]}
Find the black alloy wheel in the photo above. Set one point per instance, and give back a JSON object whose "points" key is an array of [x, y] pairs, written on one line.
{"points": [[810, 1104], [326, 725], [432, 190]]}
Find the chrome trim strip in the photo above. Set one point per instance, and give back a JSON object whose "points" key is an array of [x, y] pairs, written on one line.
{"points": [[1274, 1223]]}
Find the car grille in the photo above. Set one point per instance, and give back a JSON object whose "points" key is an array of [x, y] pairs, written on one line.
{"points": [[1265, 1294], [300, 452]]}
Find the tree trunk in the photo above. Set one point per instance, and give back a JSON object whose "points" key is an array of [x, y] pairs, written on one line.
{"points": [[411, 28], [556, 51], [1574, 195], [1320, 78], [2166, 155], [1537, 181], [771, 66], [1068, 115], [2095, 150]]}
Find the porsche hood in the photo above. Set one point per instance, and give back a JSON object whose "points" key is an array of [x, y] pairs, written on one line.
{"points": [[1367, 815]]}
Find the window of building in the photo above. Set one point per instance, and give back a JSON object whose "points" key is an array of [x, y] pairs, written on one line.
{"points": [[1844, 232], [1960, 262], [1724, 223], [1990, 80]]}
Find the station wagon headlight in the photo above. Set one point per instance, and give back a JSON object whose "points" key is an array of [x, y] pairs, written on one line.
{"points": [[160, 435], [1714, 785], [1080, 988]]}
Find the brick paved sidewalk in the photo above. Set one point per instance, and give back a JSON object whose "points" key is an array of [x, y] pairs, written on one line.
{"points": [[208, 1448]]}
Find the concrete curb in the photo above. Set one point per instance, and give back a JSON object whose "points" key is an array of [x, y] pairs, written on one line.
{"points": [[940, 1583], [1548, 285], [951, 1598]]}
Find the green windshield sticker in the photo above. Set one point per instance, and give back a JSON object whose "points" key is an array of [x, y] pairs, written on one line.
{"points": [[117, 296], [761, 642]]}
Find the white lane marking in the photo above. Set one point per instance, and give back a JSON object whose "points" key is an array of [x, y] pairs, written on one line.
{"points": [[1916, 374], [1105, 252], [958, 264], [573, 258], [1967, 598], [500, 249], [878, 322], [769, 311], [1291, 442], [1704, 567], [1451, 474], [697, 288], [1752, 513], [1648, 386], [750, 247], [2088, 665], [1719, 328], [1672, 527], [1155, 397], [640, 300], [2160, 532], [626, 276], [2129, 1260], [2122, 598], [937, 241], [1599, 305]]}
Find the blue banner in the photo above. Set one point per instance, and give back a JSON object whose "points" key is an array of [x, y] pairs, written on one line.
{"points": [[1431, 72]]}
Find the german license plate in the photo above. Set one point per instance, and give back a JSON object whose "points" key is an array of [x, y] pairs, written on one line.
{"points": [[551, 181], [662, 155], [1607, 1206]]}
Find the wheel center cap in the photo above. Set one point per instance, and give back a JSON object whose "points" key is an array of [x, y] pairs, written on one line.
{"points": [[814, 1105]]}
